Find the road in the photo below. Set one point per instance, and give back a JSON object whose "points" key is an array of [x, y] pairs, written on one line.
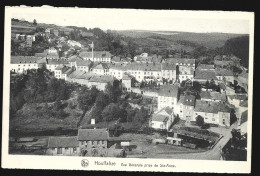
{"points": [[212, 154]]}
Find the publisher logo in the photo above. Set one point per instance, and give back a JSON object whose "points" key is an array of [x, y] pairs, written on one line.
{"points": [[84, 163]]}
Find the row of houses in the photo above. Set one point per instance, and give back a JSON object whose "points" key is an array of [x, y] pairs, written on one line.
{"points": [[88, 142], [214, 107], [149, 72]]}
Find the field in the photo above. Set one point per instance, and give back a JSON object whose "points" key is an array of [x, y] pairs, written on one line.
{"points": [[210, 40], [146, 149]]}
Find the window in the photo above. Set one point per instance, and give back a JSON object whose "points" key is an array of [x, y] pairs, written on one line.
{"points": [[59, 150]]}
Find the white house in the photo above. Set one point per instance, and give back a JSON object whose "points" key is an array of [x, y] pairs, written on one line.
{"points": [[237, 99], [212, 112], [186, 73], [61, 72], [117, 70], [162, 119], [80, 64], [168, 96], [100, 81], [98, 56], [20, 64], [52, 64], [100, 69], [168, 71]]}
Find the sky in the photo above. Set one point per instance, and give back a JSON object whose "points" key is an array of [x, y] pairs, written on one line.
{"points": [[129, 19]]}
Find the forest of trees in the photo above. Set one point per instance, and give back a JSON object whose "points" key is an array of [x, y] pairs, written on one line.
{"points": [[37, 86]]}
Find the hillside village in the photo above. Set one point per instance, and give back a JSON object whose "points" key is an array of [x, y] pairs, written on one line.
{"points": [[193, 103]]}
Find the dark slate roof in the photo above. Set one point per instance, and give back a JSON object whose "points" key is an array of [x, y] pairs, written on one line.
{"points": [[205, 67], [160, 117], [212, 95], [244, 103], [244, 116], [205, 75], [144, 66], [180, 60], [81, 62], [100, 66], [117, 66], [24, 59], [169, 90], [127, 77], [205, 95], [97, 54], [76, 74], [211, 107], [218, 96], [92, 134], [167, 109], [244, 75], [55, 142], [102, 78], [57, 61], [223, 72], [168, 66], [189, 100], [238, 96]]}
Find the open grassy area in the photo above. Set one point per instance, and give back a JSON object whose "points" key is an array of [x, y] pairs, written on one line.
{"points": [[145, 149]]}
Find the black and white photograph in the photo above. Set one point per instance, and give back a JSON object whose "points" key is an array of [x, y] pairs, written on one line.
{"points": [[115, 88]]}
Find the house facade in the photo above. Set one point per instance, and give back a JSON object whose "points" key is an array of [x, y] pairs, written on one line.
{"points": [[185, 108], [212, 112], [168, 96], [162, 119], [20, 64], [98, 56], [93, 138], [100, 69], [63, 146]]}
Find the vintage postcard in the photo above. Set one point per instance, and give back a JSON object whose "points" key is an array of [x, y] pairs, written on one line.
{"points": [[127, 90]]}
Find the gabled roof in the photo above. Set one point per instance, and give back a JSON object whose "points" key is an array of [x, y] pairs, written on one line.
{"points": [[127, 77], [211, 107], [55, 142], [79, 61], [244, 103], [205, 75], [205, 67], [189, 100], [102, 79], [144, 66], [238, 96], [92, 134], [223, 72], [117, 66], [213, 95], [24, 59], [162, 115], [180, 60], [169, 90], [57, 61], [76, 74], [97, 54], [166, 110], [168, 66], [101, 66]]}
